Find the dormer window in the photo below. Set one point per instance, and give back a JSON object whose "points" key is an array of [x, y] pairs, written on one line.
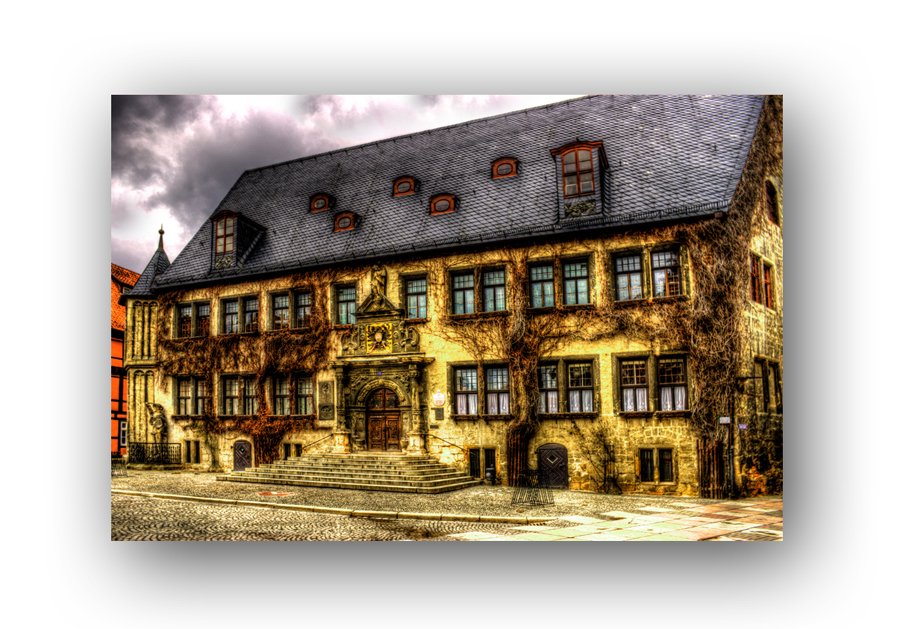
{"points": [[579, 167], [344, 221], [506, 167], [443, 204], [404, 186], [578, 172], [225, 235], [319, 203]]}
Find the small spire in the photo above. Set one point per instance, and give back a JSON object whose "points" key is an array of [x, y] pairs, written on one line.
{"points": [[161, 232]]}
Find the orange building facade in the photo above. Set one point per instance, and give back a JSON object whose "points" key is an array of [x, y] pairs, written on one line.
{"points": [[121, 281]]}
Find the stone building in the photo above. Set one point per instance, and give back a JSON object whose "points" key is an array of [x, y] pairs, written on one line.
{"points": [[591, 288]]}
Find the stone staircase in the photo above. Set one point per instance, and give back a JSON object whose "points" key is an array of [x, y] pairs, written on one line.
{"points": [[421, 474]]}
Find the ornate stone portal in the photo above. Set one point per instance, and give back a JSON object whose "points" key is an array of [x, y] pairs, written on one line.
{"points": [[380, 352]]}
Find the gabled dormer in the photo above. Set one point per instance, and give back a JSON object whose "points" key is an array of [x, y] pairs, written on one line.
{"points": [[233, 237], [580, 168]]}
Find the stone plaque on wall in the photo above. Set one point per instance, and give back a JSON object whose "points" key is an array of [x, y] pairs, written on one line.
{"points": [[438, 414], [326, 392], [326, 412]]}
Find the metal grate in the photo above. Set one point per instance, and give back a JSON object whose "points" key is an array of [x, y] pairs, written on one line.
{"points": [[160, 453], [532, 490]]}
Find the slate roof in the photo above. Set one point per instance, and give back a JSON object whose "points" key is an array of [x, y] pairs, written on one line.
{"points": [[670, 157], [120, 278], [156, 267]]}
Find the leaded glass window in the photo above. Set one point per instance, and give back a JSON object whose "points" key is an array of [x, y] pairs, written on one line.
{"points": [[251, 404], [666, 274], [231, 317], [304, 396], [467, 391], [581, 389], [575, 276], [346, 297], [497, 390], [281, 312], [633, 380], [464, 293], [417, 298], [628, 278], [672, 378], [541, 286], [251, 315], [303, 307], [282, 396], [494, 290], [548, 401], [232, 396]]}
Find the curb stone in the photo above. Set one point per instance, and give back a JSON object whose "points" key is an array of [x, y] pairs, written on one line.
{"points": [[446, 517]]}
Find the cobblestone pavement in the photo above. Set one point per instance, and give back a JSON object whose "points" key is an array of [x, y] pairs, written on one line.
{"points": [[577, 516]]}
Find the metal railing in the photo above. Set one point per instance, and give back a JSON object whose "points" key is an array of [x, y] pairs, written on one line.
{"points": [[447, 442], [533, 490], [159, 453]]}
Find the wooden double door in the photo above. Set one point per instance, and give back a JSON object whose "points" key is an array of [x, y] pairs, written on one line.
{"points": [[383, 421]]}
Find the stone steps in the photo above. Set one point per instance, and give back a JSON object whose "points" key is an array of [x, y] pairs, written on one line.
{"points": [[366, 472]]}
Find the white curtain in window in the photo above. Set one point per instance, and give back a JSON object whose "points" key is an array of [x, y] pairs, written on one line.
{"points": [[574, 402], [680, 398], [587, 401], [628, 400], [665, 399], [641, 399]]}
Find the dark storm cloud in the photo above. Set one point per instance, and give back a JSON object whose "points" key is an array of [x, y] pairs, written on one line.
{"points": [[209, 162], [139, 126]]}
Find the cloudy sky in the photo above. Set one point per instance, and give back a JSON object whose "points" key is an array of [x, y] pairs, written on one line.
{"points": [[175, 157]]}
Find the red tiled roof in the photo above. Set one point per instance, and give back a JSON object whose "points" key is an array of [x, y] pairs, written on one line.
{"points": [[124, 275], [120, 277]]}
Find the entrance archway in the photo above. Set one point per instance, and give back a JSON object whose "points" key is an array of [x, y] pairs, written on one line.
{"points": [[383, 421]]}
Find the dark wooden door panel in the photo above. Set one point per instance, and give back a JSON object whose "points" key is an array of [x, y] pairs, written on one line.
{"points": [[554, 466], [243, 455]]}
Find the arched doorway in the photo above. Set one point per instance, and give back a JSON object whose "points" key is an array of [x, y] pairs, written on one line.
{"points": [[383, 420], [553, 462], [243, 455]]}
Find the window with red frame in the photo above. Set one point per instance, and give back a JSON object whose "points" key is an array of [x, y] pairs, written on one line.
{"points": [[404, 186], [319, 203], [504, 168], [767, 286], [578, 172], [344, 222], [225, 235], [443, 204]]}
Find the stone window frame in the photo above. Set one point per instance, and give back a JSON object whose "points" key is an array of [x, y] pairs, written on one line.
{"points": [[241, 323], [762, 281], [481, 391], [562, 364], [478, 272], [292, 295], [653, 403], [559, 281], [195, 400], [655, 450], [293, 395], [410, 276], [772, 202], [768, 386], [195, 318], [645, 252], [335, 305], [241, 378]]}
